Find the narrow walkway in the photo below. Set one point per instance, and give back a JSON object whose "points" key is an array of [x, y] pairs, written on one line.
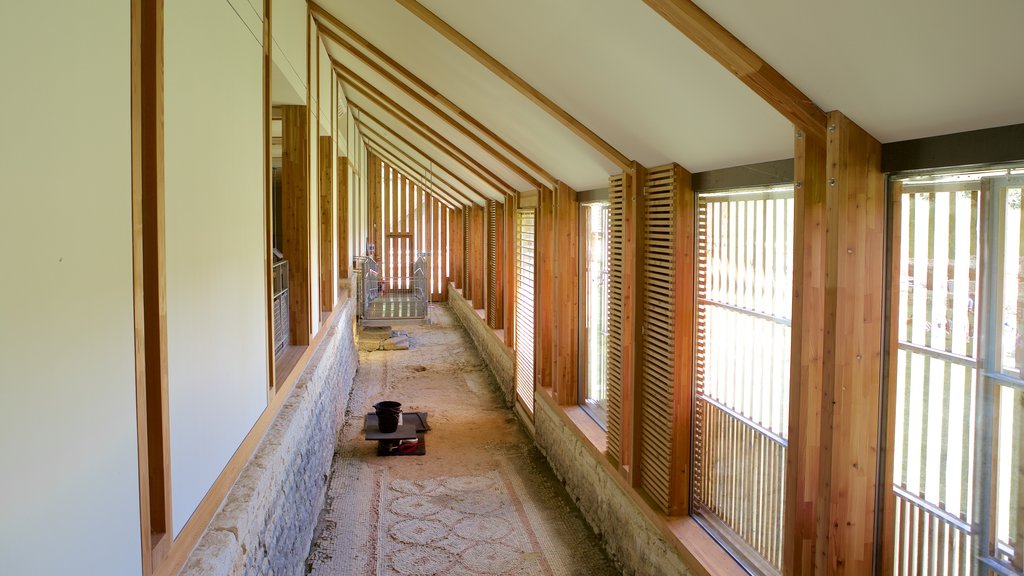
{"points": [[481, 501]]}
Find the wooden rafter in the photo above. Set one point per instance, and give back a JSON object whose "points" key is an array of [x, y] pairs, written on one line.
{"points": [[743, 62], [418, 150], [454, 110], [389, 158], [374, 135], [424, 130], [452, 194], [514, 80]]}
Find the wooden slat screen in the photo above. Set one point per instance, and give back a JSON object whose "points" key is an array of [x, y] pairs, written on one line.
{"points": [[466, 264], [616, 232], [741, 387], [525, 284], [657, 367], [408, 219], [492, 264]]}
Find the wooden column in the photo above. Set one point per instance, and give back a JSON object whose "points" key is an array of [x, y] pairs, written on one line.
{"points": [[455, 247], [545, 288], [343, 255], [566, 294], [806, 353], [509, 279], [295, 218], [496, 228], [327, 277], [839, 288]]}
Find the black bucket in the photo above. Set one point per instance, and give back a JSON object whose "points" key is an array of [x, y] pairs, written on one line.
{"points": [[387, 415]]}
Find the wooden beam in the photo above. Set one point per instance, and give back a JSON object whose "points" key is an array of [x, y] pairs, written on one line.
{"points": [[567, 290], [325, 165], [433, 108], [855, 290], [343, 197], [415, 80], [368, 132], [424, 130], [295, 218], [410, 165], [524, 88], [407, 169], [806, 357], [746, 65]]}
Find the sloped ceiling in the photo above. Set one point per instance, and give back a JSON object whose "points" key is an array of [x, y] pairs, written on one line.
{"points": [[901, 69]]}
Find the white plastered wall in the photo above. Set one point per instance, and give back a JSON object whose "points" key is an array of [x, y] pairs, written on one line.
{"points": [[216, 310], [69, 475]]}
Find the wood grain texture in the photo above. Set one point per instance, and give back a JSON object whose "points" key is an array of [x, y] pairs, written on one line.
{"points": [[806, 357], [524, 88], [392, 135], [325, 165], [632, 272], [433, 108], [424, 130], [566, 293], [295, 218], [476, 261], [851, 399], [343, 200], [320, 12], [746, 65], [545, 289]]}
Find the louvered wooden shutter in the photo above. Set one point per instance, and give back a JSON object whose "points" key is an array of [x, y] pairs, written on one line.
{"points": [[616, 237], [666, 309], [494, 308], [524, 311]]}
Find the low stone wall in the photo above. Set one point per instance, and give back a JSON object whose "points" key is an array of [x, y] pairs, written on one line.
{"points": [[494, 352], [266, 523], [630, 538]]}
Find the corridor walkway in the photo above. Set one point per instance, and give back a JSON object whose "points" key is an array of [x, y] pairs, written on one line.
{"points": [[481, 501]]}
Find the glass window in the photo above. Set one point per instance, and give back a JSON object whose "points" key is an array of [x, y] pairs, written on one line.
{"points": [[594, 288], [741, 392], [959, 407]]}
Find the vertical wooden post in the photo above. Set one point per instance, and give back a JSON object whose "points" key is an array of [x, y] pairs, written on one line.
{"points": [[148, 279], [497, 322], [295, 218], [455, 247], [806, 354], [343, 194], [327, 275], [509, 280], [566, 292], [545, 288], [476, 262], [836, 387], [685, 221]]}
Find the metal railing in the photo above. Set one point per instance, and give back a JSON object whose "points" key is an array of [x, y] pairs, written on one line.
{"points": [[384, 300]]}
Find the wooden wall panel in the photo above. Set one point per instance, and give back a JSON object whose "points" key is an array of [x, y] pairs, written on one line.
{"points": [[295, 218], [566, 293], [457, 255], [616, 265], [545, 329], [495, 264], [343, 200], [806, 357], [476, 256], [326, 185], [855, 290]]}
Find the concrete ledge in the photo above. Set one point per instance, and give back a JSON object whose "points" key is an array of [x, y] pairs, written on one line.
{"points": [[493, 350], [266, 523]]}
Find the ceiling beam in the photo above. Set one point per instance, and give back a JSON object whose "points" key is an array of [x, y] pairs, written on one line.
{"points": [[744, 63], [423, 129], [382, 148], [319, 12], [394, 135], [432, 107], [510, 77], [388, 157]]}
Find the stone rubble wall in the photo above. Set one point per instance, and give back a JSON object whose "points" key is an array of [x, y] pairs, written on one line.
{"points": [[494, 352], [635, 545], [266, 523]]}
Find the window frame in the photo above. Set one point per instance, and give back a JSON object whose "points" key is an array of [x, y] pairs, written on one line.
{"points": [[583, 365]]}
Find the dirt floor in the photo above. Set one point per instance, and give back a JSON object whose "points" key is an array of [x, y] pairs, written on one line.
{"points": [[481, 501]]}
